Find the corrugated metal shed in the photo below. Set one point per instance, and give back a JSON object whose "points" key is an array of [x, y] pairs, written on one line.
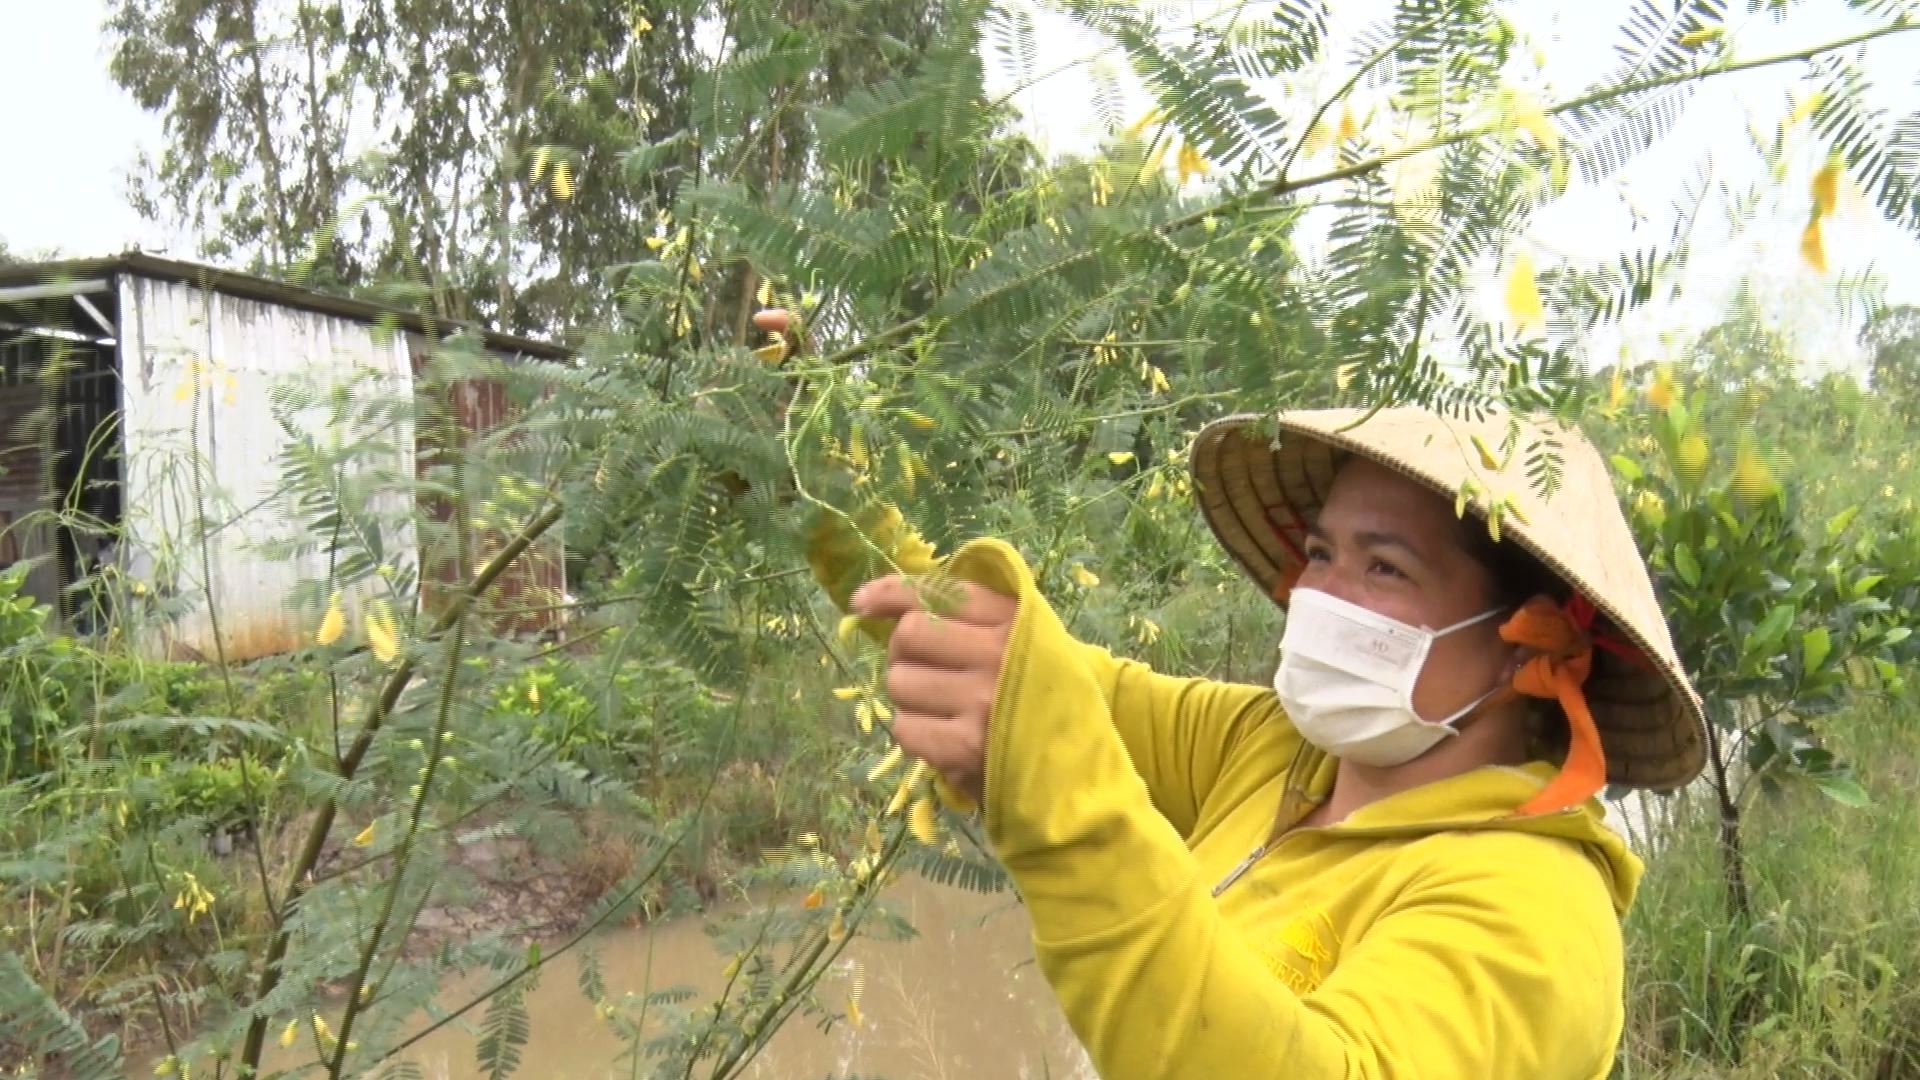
{"points": [[200, 370], [204, 357]]}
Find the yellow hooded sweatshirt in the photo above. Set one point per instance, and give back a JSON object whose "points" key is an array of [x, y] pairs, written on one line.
{"points": [[1427, 937]]}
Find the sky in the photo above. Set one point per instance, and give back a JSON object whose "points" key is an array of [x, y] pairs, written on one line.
{"points": [[75, 136]]}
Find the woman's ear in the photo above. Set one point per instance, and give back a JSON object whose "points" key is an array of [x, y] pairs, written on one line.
{"points": [[1520, 655]]}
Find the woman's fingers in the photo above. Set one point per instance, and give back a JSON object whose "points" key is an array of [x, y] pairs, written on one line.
{"points": [[772, 320], [938, 691], [957, 749], [893, 597]]}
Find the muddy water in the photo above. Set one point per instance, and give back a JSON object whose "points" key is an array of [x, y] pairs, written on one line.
{"points": [[963, 999]]}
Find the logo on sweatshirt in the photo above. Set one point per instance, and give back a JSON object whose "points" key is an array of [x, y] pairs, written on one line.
{"points": [[1302, 954]]}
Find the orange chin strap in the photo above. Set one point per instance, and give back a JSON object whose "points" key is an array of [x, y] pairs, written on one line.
{"points": [[1565, 640]]}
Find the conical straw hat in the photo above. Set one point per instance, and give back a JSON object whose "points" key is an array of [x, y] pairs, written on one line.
{"points": [[1259, 493]]}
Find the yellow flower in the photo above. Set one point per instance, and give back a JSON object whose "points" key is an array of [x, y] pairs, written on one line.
{"points": [[1487, 460], [915, 773], [886, 764], [1813, 246], [1120, 457], [1530, 117], [365, 836], [846, 693], [1826, 187], [1693, 39], [1523, 294], [563, 180], [382, 635], [333, 624], [1084, 577], [1190, 163], [924, 822], [1348, 127], [533, 693], [287, 1036]]}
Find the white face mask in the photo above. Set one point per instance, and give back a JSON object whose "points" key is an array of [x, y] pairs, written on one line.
{"points": [[1346, 680]]}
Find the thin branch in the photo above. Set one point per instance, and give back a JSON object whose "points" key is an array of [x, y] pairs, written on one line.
{"points": [[1284, 185], [300, 878]]}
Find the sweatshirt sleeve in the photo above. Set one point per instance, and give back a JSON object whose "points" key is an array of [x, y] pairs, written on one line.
{"points": [[1455, 983], [1179, 733]]}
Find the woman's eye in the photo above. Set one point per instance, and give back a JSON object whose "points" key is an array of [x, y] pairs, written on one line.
{"points": [[1319, 554], [1386, 568]]}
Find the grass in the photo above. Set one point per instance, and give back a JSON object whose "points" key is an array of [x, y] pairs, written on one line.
{"points": [[1824, 983]]}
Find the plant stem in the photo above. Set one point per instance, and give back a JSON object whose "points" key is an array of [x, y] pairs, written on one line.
{"points": [[300, 877], [358, 989]]}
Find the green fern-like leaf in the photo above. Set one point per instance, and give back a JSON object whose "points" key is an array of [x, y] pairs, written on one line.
{"points": [[31, 1019], [503, 1033]]}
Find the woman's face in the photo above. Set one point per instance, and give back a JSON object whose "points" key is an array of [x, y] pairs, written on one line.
{"points": [[1393, 546]]}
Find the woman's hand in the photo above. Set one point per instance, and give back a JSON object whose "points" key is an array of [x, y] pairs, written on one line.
{"points": [[943, 672]]}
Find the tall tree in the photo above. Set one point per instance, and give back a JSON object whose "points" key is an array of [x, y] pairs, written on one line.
{"points": [[1893, 339], [491, 157]]}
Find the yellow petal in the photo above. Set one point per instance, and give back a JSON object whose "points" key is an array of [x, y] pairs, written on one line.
{"points": [[533, 694], [1190, 163], [1084, 577], [1139, 127], [1826, 187], [1120, 457], [953, 798], [886, 764], [1693, 39], [333, 624], [1487, 460], [1532, 119], [915, 773], [1523, 294], [924, 822], [1813, 246], [541, 155], [814, 899], [1806, 108], [771, 354], [1617, 392], [853, 1013], [917, 419], [365, 836], [382, 637], [563, 180], [287, 1036], [846, 693], [1348, 128]]}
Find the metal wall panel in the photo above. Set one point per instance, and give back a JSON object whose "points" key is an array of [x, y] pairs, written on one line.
{"points": [[204, 428]]}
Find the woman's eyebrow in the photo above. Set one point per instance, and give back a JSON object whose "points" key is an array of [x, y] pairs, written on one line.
{"points": [[1373, 539]]}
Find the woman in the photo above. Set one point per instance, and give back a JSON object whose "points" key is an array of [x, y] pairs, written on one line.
{"points": [[1390, 864]]}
